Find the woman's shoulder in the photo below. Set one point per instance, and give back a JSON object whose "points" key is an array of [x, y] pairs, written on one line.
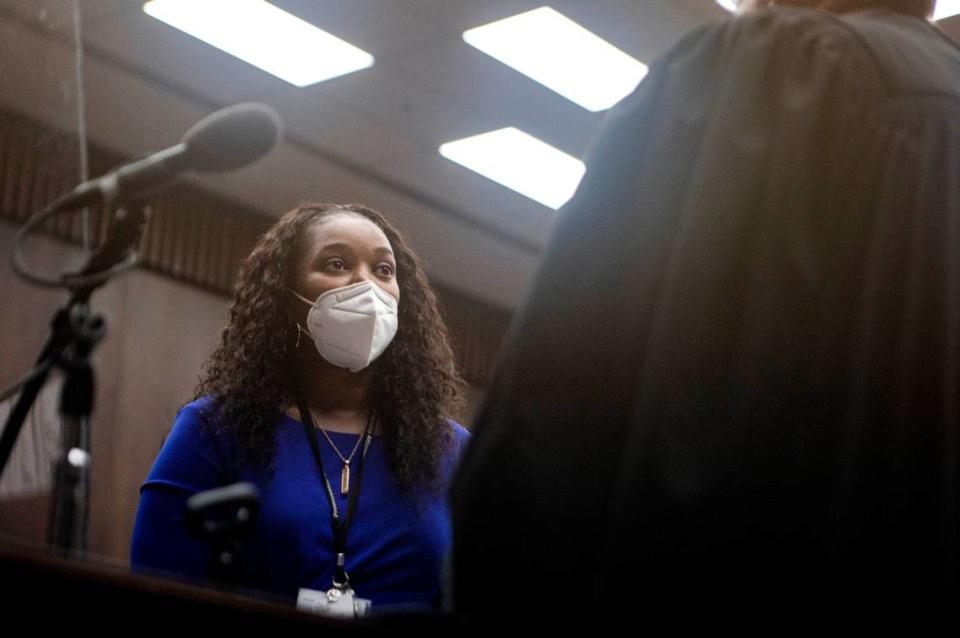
{"points": [[460, 433], [190, 418], [198, 408], [191, 457], [197, 423], [461, 436]]}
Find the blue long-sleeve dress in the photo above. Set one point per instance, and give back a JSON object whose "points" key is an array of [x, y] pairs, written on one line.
{"points": [[395, 545]]}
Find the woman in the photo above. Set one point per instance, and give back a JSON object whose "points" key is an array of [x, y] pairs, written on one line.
{"points": [[333, 328]]}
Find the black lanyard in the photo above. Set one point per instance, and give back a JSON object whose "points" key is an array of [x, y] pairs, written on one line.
{"points": [[340, 526]]}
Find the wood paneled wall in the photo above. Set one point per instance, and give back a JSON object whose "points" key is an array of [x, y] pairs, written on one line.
{"points": [[194, 236]]}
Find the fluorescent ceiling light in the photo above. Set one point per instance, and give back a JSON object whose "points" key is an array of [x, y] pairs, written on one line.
{"points": [[265, 36], [558, 53], [945, 9], [520, 162], [729, 5]]}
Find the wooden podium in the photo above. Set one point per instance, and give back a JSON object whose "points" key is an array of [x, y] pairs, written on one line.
{"points": [[43, 590]]}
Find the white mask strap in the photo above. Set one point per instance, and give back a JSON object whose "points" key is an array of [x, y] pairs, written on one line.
{"points": [[301, 297]]}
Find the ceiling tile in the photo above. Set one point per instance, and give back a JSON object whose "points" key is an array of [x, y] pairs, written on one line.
{"points": [[337, 127]]}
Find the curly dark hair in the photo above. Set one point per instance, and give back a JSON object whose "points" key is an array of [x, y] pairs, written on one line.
{"points": [[415, 384]]}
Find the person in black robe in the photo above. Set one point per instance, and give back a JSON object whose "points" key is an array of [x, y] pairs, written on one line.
{"points": [[738, 367]]}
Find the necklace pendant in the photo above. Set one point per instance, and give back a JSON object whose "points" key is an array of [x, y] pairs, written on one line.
{"points": [[345, 480]]}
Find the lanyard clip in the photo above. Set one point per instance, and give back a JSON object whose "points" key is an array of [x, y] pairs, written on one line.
{"points": [[340, 578]]}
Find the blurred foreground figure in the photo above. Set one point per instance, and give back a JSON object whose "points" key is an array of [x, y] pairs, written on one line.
{"points": [[739, 366]]}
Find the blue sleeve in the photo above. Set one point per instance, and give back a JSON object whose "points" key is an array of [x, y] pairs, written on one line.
{"points": [[190, 461]]}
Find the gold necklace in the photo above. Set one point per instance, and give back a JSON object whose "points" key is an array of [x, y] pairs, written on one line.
{"points": [[345, 473]]}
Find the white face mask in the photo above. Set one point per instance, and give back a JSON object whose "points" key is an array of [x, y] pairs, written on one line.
{"points": [[352, 325]]}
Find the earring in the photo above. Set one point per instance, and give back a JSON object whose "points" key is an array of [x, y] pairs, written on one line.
{"points": [[299, 332]]}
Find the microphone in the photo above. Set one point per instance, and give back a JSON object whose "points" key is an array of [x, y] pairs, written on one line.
{"points": [[225, 140]]}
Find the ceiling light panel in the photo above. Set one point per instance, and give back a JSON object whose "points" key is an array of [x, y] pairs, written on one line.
{"points": [[555, 51], [520, 162], [946, 8], [265, 36]]}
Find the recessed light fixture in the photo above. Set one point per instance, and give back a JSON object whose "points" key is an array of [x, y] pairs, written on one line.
{"points": [[520, 162], [729, 5], [555, 51], [265, 36], [945, 9]]}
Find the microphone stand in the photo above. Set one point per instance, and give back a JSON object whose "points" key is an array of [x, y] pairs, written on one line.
{"points": [[74, 332]]}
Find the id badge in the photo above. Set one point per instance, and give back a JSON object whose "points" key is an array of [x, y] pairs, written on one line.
{"points": [[342, 603]]}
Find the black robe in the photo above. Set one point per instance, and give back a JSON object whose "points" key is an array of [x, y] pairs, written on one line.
{"points": [[739, 364]]}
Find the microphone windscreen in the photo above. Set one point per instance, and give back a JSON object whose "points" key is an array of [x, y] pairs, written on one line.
{"points": [[232, 137]]}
